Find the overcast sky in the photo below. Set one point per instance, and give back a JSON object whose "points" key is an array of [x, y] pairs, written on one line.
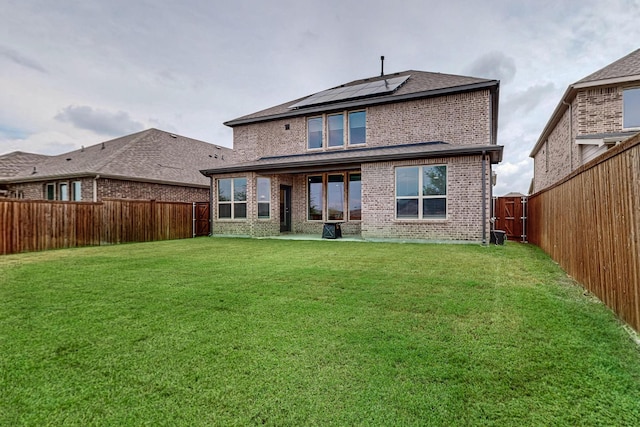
{"points": [[79, 72]]}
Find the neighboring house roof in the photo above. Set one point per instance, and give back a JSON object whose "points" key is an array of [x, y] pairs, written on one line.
{"points": [[514, 194], [151, 156], [12, 163], [622, 68], [355, 157], [625, 69], [420, 84]]}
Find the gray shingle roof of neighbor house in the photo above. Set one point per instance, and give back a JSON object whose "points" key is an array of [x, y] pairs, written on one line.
{"points": [[625, 69], [420, 84], [149, 156], [12, 163], [355, 157]]}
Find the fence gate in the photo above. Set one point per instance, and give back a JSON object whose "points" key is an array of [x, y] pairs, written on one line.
{"points": [[201, 224], [511, 217]]}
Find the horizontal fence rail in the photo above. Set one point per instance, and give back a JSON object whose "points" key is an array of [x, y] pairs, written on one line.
{"points": [[590, 224], [37, 225]]}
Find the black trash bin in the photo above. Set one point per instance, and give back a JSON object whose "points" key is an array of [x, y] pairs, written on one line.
{"points": [[497, 237], [331, 230]]}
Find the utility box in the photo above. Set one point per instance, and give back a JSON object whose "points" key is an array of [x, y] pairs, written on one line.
{"points": [[497, 237], [331, 230]]}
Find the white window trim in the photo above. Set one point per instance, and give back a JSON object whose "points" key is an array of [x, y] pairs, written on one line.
{"points": [[420, 197]]}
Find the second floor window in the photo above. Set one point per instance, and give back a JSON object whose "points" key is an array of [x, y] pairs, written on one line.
{"points": [[349, 127], [631, 108]]}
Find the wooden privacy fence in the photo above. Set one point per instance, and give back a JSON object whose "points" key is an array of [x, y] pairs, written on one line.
{"points": [[30, 225], [590, 224]]}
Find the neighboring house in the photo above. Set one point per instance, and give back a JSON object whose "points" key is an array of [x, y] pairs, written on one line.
{"points": [[406, 155], [12, 163], [594, 114], [151, 164]]}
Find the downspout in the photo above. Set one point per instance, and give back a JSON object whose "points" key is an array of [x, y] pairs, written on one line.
{"points": [[484, 198], [210, 205], [95, 188], [570, 134]]}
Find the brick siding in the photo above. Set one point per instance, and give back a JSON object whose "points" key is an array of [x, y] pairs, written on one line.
{"points": [[455, 119], [595, 110], [118, 189]]}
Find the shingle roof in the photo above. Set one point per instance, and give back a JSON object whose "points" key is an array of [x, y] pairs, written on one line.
{"points": [[12, 163], [151, 155], [624, 67], [419, 84], [355, 157]]}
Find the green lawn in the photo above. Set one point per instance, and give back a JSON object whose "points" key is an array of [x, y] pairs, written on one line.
{"points": [[215, 331]]}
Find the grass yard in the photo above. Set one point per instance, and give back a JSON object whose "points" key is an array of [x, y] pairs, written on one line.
{"points": [[250, 332]]}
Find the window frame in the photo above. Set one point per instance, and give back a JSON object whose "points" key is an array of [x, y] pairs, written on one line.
{"points": [[52, 186], [349, 120], [232, 203], [636, 119], [420, 197], [76, 191], [329, 130], [313, 118], [348, 190], [268, 197], [326, 129], [63, 192], [324, 196]]}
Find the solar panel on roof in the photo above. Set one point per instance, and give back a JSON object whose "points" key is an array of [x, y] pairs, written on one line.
{"points": [[378, 87]]}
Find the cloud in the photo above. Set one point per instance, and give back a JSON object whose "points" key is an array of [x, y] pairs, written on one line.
{"points": [[531, 97], [20, 59], [494, 65], [100, 121]]}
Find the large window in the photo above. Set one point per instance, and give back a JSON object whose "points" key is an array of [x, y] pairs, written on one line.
{"points": [[264, 198], [330, 198], [631, 108], [421, 192], [232, 198], [357, 128], [353, 121]]}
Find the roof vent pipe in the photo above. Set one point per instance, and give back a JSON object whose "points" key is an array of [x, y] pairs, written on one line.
{"points": [[382, 66]]}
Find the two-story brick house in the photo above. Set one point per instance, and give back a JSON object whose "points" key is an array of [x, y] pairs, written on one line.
{"points": [[406, 155], [594, 114]]}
